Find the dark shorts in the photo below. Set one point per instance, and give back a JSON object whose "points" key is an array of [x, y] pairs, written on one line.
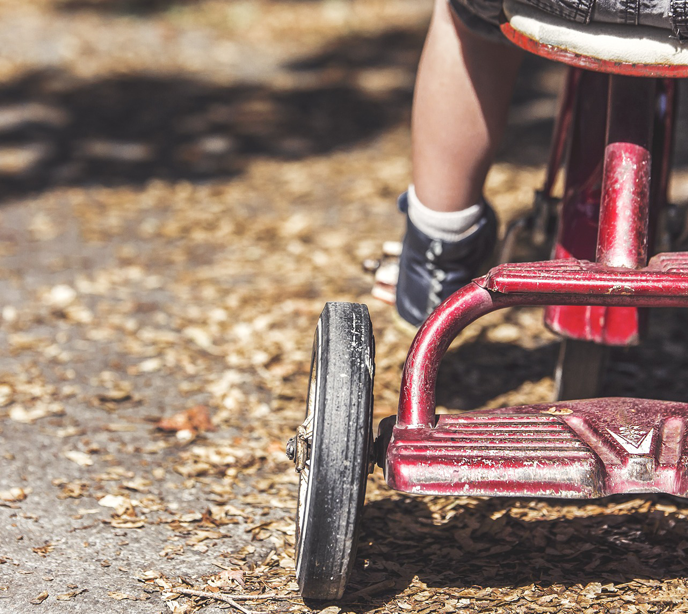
{"points": [[481, 17]]}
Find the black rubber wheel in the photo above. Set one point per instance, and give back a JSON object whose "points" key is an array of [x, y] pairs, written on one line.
{"points": [[338, 437], [580, 370]]}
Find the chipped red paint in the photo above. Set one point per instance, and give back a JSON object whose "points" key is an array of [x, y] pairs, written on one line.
{"points": [[624, 214], [589, 63], [579, 449], [624, 211]]}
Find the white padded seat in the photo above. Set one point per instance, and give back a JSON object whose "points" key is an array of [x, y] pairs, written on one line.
{"points": [[638, 45]]}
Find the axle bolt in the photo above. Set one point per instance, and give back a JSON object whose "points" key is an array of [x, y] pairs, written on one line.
{"points": [[291, 449]]}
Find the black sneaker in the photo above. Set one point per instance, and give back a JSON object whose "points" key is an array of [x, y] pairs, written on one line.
{"points": [[430, 270]]}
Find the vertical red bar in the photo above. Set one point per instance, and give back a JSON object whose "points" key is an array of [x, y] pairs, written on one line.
{"points": [[662, 154], [624, 209], [580, 206], [562, 127], [577, 235], [622, 237]]}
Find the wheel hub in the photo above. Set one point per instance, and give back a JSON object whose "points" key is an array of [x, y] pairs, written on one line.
{"points": [[298, 449]]}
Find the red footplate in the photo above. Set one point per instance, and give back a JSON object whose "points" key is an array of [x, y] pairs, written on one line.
{"points": [[579, 449]]}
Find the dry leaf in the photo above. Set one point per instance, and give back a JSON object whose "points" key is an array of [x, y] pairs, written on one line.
{"points": [[73, 490], [124, 523], [121, 505], [191, 517], [116, 395], [6, 394], [40, 598], [200, 536], [557, 411], [139, 484], [80, 458], [180, 608], [44, 550], [195, 419], [14, 495], [227, 577], [148, 575], [120, 428], [150, 365], [19, 413], [69, 596], [61, 296]]}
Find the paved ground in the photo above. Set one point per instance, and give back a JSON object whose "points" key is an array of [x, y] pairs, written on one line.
{"points": [[183, 185]]}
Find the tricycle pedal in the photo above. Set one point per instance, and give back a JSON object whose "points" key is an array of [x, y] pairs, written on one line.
{"points": [[579, 449]]}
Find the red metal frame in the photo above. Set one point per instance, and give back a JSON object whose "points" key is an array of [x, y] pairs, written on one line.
{"points": [[562, 128], [617, 175], [663, 283], [662, 152], [580, 449], [624, 210], [573, 449]]}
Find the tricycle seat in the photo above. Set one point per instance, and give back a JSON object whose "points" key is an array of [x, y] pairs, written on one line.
{"points": [[638, 51]]}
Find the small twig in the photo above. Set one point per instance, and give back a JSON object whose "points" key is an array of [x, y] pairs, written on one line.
{"points": [[226, 598], [247, 597], [371, 590], [218, 596], [264, 596]]}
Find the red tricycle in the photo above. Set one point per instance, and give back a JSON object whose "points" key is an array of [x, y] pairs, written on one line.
{"points": [[603, 275]]}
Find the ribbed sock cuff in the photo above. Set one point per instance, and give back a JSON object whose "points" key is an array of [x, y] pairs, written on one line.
{"points": [[446, 226]]}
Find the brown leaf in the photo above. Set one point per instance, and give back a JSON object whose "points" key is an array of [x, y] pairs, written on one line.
{"points": [[14, 495], [195, 419], [39, 598], [73, 490], [80, 458], [122, 505], [121, 523], [69, 596], [226, 577], [45, 549], [200, 536]]}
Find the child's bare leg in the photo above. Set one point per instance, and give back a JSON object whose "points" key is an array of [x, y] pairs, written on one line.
{"points": [[461, 102], [463, 90]]}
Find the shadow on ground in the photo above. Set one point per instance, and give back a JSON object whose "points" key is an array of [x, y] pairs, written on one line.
{"points": [[477, 372], [126, 130], [56, 131], [124, 7], [134, 7], [483, 541], [474, 373]]}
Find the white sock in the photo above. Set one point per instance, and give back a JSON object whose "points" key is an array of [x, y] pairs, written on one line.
{"points": [[442, 225]]}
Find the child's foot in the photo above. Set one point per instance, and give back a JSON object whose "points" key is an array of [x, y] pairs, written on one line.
{"points": [[431, 269]]}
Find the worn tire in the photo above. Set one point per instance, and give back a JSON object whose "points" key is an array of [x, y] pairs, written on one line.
{"points": [[332, 485], [580, 370]]}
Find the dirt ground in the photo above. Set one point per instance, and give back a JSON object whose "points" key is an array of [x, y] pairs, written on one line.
{"points": [[183, 186]]}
